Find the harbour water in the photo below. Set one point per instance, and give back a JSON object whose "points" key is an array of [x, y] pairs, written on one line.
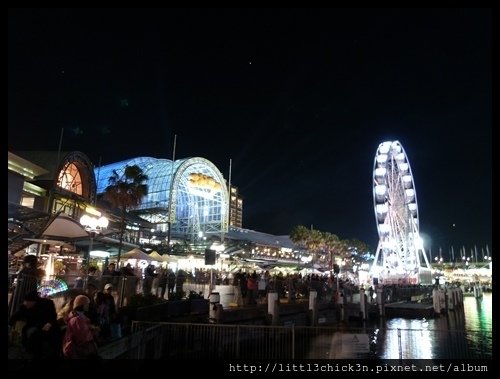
{"points": [[458, 334], [464, 333]]}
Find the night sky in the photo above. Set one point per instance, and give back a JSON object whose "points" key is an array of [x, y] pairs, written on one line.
{"points": [[298, 99]]}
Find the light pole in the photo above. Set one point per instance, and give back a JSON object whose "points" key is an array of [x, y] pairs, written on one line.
{"points": [[93, 225]]}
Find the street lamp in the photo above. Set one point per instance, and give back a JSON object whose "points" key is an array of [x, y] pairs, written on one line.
{"points": [[93, 225]]}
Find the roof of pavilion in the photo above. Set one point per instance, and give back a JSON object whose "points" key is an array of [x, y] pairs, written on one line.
{"points": [[259, 238]]}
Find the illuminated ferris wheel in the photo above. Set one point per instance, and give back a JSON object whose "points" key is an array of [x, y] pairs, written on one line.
{"points": [[400, 257]]}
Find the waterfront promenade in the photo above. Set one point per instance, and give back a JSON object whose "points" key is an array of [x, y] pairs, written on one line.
{"points": [[421, 338]]}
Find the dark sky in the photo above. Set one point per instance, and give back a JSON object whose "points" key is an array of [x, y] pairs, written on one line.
{"points": [[298, 99]]}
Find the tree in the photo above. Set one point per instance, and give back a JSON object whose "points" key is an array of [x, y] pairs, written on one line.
{"points": [[357, 246], [310, 239], [126, 192], [332, 246], [324, 246], [300, 235]]}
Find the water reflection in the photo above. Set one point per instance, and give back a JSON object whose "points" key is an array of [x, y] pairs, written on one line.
{"points": [[408, 338], [479, 318], [458, 334]]}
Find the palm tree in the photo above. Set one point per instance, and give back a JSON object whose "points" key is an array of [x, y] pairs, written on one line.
{"points": [[126, 192], [299, 235], [310, 239], [332, 243], [319, 244]]}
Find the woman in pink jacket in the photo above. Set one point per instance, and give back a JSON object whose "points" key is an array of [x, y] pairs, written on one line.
{"points": [[79, 340]]}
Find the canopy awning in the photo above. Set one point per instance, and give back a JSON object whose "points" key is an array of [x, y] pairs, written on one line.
{"points": [[49, 242], [63, 227]]}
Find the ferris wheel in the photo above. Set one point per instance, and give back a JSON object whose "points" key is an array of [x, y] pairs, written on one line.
{"points": [[400, 257]]}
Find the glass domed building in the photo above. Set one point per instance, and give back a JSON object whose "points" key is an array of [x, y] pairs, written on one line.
{"points": [[189, 194]]}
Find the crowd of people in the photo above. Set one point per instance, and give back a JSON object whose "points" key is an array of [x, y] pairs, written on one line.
{"points": [[89, 317], [252, 288], [44, 334], [86, 320]]}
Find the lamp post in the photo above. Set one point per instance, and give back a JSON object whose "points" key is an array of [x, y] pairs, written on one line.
{"points": [[93, 225]]}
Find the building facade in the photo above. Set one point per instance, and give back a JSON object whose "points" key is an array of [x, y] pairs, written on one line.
{"points": [[44, 183], [235, 208]]}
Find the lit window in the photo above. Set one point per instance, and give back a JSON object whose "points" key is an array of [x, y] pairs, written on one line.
{"points": [[70, 179]]}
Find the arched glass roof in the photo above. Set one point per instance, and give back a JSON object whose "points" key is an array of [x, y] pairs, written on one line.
{"points": [[199, 199], [159, 172]]}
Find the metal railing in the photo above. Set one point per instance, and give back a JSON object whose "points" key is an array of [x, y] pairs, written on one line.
{"points": [[144, 343], [18, 287], [196, 341]]}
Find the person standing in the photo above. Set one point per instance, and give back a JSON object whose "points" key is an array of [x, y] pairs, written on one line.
{"points": [[236, 289], [41, 331], [114, 316], [149, 274], [162, 283], [79, 340], [179, 282], [171, 284], [29, 276], [252, 287]]}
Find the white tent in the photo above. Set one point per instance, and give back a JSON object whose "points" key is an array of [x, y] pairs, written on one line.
{"points": [[137, 254], [157, 257]]}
